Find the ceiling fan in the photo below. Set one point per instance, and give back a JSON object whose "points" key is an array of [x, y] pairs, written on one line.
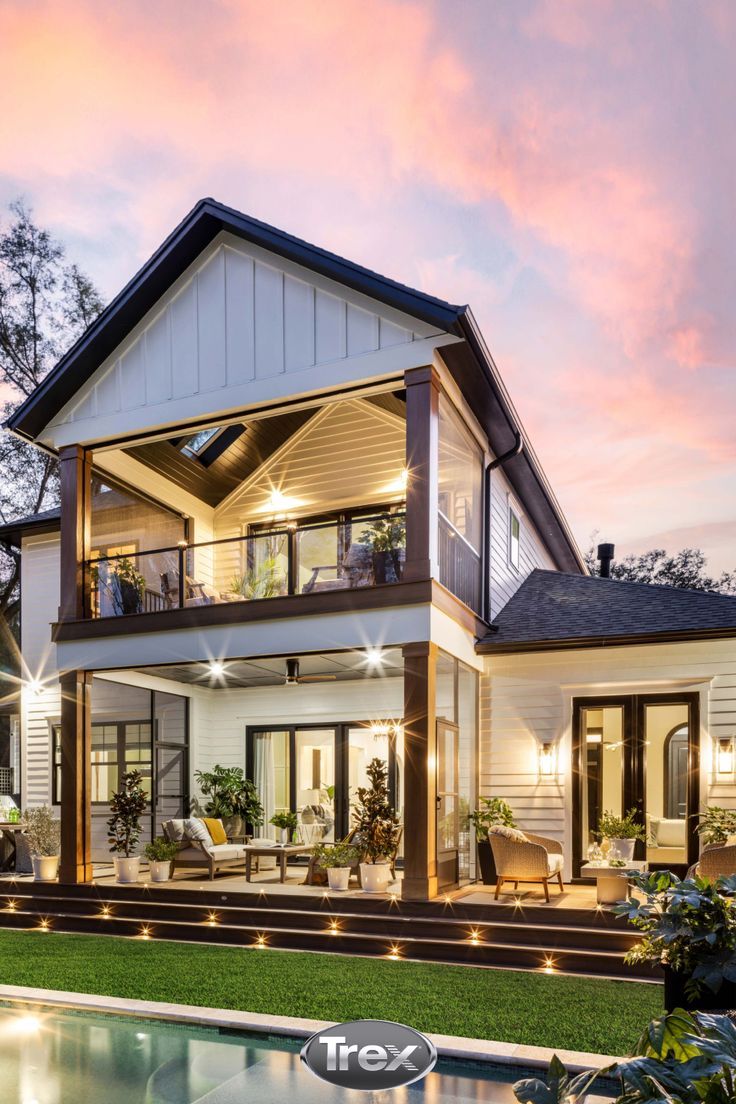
{"points": [[293, 678]]}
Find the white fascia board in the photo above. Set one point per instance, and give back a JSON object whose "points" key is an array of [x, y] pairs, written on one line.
{"points": [[290, 636], [344, 373], [451, 637]]}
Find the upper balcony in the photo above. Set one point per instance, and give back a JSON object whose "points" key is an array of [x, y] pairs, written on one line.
{"points": [[359, 495]]}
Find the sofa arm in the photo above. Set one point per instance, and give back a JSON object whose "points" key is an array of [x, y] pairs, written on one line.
{"points": [[551, 846]]}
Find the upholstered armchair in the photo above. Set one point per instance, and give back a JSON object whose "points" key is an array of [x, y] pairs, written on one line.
{"points": [[716, 861], [523, 857]]}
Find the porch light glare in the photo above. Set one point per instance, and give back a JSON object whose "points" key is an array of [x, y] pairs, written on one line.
{"points": [[724, 755], [547, 760], [374, 657], [404, 477], [217, 670], [34, 686], [277, 500]]}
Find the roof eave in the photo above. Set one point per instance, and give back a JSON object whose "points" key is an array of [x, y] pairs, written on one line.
{"points": [[499, 647]]}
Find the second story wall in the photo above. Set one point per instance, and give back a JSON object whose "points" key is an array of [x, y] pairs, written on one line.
{"points": [[507, 576]]}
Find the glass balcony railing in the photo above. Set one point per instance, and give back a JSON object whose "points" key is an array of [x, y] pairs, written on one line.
{"points": [[364, 551]]}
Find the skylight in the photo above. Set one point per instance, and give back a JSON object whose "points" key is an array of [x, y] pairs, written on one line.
{"points": [[197, 443]]}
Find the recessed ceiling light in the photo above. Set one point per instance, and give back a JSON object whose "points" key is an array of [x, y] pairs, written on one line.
{"points": [[374, 656], [217, 670]]}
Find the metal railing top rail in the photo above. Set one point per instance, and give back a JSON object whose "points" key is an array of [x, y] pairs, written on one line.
{"points": [[185, 546]]}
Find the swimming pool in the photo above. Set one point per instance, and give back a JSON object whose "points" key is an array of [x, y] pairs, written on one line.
{"points": [[48, 1056]]}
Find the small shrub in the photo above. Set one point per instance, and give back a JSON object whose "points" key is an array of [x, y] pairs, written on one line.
{"points": [[42, 831]]}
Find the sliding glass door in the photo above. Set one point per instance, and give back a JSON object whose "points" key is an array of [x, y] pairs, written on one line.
{"points": [[638, 752], [316, 771]]}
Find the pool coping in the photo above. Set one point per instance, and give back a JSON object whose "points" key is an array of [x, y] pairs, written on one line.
{"points": [[448, 1046]]}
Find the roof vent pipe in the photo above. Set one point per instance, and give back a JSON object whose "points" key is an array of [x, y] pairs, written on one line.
{"points": [[604, 557]]}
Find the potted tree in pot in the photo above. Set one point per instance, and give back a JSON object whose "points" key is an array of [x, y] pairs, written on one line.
{"points": [[689, 929], [376, 829], [233, 799], [385, 536], [124, 826], [491, 812], [160, 854], [622, 832], [286, 822], [44, 842], [337, 859]]}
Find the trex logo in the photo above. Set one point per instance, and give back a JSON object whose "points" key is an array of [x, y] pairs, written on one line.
{"points": [[369, 1055]]}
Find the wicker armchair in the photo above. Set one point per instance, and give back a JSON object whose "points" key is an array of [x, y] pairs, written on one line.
{"points": [[523, 857], [717, 862]]}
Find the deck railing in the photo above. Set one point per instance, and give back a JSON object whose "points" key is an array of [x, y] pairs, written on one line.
{"points": [[459, 564], [361, 551]]}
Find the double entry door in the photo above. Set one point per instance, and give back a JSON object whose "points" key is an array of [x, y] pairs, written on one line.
{"points": [[638, 752], [315, 771]]}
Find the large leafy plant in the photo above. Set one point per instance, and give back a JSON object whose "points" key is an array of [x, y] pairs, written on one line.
{"points": [[374, 818], [715, 825], [491, 812], [680, 1059], [688, 926], [230, 794], [127, 807]]}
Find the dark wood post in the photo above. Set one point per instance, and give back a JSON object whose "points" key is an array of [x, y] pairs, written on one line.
{"points": [[76, 760], [422, 410], [75, 473], [420, 773]]}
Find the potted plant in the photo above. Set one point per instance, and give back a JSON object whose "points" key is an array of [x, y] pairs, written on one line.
{"points": [[689, 929], [287, 822], [376, 829], [717, 825], [124, 826], [491, 811], [385, 536], [337, 859], [160, 854], [121, 583], [233, 798], [622, 832], [264, 581], [44, 842]]}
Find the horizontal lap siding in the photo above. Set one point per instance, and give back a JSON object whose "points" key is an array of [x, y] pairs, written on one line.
{"points": [[527, 699], [505, 579], [40, 607]]}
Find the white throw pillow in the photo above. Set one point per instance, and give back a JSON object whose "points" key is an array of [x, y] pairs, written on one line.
{"points": [[668, 832], [196, 829]]}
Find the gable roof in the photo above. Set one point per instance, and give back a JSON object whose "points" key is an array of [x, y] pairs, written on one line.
{"points": [[204, 222], [553, 609], [468, 360]]}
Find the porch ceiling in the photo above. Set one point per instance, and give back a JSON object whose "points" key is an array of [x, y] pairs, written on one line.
{"points": [[243, 674]]}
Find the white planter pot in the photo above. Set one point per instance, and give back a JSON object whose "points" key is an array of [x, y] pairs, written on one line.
{"points": [[127, 870], [338, 878], [285, 836], [159, 871], [45, 867], [625, 848], [375, 877]]}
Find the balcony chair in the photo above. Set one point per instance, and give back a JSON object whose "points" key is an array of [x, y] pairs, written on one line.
{"points": [[523, 857], [196, 593]]}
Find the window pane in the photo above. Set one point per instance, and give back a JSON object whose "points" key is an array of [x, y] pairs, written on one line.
{"points": [[667, 745], [603, 758], [460, 477], [271, 775], [317, 559], [315, 783]]}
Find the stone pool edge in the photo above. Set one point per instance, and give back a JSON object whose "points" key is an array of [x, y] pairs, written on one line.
{"points": [[448, 1046]]}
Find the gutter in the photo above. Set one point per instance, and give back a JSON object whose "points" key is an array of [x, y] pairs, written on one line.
{"points": [[512, 647]]}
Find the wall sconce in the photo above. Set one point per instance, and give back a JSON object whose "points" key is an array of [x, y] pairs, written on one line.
{"points": [[724, 755], [547, 760]]}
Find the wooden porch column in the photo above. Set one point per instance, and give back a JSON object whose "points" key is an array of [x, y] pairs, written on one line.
{"points": [[76, 757], [422, 411], [75, 472], [420, 773]]}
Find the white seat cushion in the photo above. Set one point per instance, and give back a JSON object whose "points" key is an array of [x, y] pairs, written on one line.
{"points": [[668, 833], [554, 863], [227, 851]]}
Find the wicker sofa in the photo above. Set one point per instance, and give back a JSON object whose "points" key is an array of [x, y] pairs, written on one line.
{"points": [[200, 852], [523, 857]]}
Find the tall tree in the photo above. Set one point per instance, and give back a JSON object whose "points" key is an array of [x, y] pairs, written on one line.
{"points": [[686, 568], [46, 302]]}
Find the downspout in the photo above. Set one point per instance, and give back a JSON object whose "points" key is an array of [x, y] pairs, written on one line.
{"points": [[515, 449]]}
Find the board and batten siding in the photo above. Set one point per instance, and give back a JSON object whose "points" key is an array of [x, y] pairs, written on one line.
{"points": [[40, 606], [242, 326], [527, 699], [348, 454], [505, 579]]}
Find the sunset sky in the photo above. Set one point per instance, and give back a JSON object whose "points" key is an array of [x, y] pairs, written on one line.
{"points": [[567, 168]]}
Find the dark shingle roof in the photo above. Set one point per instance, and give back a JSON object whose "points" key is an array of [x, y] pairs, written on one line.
{"points": [[45, 522], [553, 609]]}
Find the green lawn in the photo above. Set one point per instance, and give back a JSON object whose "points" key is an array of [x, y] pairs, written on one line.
{"points": [[562, 1012]]}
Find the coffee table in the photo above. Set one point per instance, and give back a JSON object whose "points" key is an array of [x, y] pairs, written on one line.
{"points": [[612, 882], [277, 851]]}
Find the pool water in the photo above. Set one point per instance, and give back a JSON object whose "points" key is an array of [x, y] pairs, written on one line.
{"points": [[59, 1057]]}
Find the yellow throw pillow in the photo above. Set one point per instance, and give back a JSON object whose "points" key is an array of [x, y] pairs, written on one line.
{"points": [[215, 829]]}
